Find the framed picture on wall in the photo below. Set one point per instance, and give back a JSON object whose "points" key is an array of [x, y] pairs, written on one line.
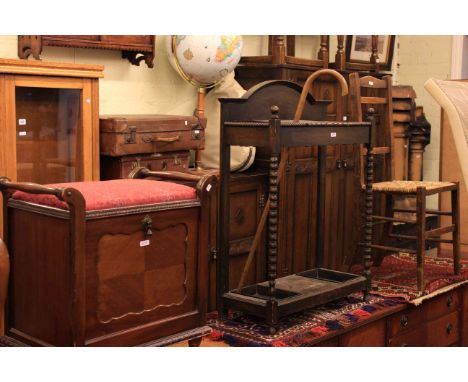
{"points": [[359, 50]]}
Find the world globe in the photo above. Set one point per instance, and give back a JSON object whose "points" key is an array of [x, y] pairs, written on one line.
{"points": [[204, 60]]}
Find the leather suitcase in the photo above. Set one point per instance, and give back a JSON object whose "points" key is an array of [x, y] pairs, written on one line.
{"points": [[139, 134], [120, 167]]}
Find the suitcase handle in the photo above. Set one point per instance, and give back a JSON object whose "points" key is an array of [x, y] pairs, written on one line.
{"points": [[149, 138]]}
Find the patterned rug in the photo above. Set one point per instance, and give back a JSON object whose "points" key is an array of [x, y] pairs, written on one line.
{"points": [[298, 329], [396, 277]]}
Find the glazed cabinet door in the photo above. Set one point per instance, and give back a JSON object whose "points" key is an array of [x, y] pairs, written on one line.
{"points": [[49, 130]]}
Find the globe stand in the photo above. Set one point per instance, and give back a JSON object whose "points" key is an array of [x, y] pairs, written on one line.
{"points": [[200, 113]]}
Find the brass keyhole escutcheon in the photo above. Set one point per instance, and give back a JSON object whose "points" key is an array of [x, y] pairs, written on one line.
{"points": [[449, 328], [147, 223], [404, 320], [449, 301]]}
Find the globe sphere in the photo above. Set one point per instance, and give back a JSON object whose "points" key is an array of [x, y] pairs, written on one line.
{"points": [[204, 61]]}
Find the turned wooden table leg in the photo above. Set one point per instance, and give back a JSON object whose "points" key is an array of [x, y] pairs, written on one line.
{"points": [[4, 273], [421, 236]]}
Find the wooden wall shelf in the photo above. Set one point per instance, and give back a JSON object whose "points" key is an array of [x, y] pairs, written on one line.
{"points": [[135, 48]]}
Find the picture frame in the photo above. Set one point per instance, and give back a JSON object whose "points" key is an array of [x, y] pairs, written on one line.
{"points": [[359, 50]]}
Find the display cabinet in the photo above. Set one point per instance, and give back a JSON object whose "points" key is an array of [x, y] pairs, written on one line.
{"points": [[49, 121]]}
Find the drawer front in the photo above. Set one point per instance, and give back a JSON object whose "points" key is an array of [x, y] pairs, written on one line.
{"points": [[428, 311], [442, 331], [370, 335]]}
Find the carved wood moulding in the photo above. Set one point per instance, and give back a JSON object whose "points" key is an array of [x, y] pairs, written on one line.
{"points": [[135, 48]]}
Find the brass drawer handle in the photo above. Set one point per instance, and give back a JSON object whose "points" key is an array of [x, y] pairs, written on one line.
{"points": [[449, 301], [404, 320], [449, 328]]}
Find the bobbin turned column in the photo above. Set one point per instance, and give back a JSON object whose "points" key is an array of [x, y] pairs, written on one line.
{"points": [[367, 258], [324, 51], [374, 58], [272, 303], [340, 59]]}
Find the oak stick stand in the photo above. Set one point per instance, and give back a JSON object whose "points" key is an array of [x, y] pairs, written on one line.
{"points": [[243, 123]]}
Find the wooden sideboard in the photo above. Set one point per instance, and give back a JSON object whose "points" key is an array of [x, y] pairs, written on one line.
{"points": [[440, 321]]}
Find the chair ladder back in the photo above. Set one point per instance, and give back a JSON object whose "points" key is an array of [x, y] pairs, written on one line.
{"points": [[375, 92]]}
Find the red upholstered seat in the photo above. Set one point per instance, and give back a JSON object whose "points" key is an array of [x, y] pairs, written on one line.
{"points": [[115, 193]]}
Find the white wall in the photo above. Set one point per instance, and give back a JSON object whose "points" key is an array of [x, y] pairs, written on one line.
{"points": [[125, 88], [419, 58]]}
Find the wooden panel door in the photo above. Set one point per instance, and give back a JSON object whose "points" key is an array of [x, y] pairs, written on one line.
{"points": [[247, 200], [350, 219]]}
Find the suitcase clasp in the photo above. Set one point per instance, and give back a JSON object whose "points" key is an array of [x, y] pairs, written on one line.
{"points": [[130, 138], [196, 134]]}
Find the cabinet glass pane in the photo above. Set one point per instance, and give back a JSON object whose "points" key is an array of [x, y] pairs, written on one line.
{"points": [[47, 128]]}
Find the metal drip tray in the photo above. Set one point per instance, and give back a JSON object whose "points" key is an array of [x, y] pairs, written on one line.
{"points": [[327, 275], [261, 291]]}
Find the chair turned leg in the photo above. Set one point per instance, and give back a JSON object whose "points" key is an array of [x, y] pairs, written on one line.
{"points": [[4, 273], [420, 236], [455, 197], [385, 231]]}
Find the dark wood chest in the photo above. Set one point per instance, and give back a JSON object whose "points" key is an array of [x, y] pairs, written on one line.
{"points": [[117, 276]]}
